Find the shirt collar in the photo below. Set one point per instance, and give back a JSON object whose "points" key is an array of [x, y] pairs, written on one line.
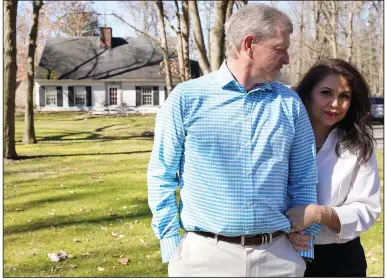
{"points": [[227, 80]]}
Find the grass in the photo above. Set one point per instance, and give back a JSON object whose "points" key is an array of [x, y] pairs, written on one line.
{"points": [[83, 184]]}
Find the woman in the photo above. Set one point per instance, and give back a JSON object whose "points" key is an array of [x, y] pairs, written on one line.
{"points": [[336, 97]]}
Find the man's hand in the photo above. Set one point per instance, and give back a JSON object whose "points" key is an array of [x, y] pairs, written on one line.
{"points": [[302, 216], [299, 241]]}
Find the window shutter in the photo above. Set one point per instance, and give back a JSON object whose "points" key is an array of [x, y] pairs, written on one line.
{"points": [[138, 96], [59, 96], [71, 96], [88, 96], [156, 95], [42, 97]]}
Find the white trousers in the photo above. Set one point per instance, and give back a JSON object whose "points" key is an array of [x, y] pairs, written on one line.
{"points": [[199, 256]]}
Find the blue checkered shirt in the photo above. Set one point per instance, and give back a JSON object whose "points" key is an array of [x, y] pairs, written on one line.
{"points": [[240, 159]]}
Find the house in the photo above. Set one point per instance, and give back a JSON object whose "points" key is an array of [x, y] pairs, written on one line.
{"points": [[102, 74]]}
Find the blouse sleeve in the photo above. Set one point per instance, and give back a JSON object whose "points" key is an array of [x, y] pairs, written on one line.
{"points": [[362, 205]]}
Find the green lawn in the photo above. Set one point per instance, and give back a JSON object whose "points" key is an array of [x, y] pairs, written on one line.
{"points": [[82, 189]]}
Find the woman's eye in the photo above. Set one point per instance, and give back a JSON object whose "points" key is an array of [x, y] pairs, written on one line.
{"points": [[325, 92], [346, 96]]}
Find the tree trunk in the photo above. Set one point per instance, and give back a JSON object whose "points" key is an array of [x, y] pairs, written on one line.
{"points": [[164, 46], [10, 10], [317, 19], [229, 9], [349, 36], [198, 34], [217, 44], [300, 32], [179, 46], [187, 66], [29, 128]]}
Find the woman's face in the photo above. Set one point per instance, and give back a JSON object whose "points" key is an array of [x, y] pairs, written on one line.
{"points": [[329, 102]]}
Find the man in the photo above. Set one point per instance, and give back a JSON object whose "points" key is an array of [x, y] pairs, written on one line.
{"points": [[241, 149]]}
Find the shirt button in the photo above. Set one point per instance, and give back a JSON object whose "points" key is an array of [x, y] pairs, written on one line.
{"points": [[249, 204], [248, 173]]}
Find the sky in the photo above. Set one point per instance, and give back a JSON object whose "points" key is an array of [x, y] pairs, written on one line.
{"points": [[119, 29]]}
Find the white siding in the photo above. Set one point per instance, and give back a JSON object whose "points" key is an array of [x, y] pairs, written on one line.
{"points": [[127, 95]]}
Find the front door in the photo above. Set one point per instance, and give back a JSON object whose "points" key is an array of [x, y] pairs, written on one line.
{"points": [[112, 97]]}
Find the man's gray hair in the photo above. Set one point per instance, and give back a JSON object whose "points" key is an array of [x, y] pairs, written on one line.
{"points": [[257, 19]]}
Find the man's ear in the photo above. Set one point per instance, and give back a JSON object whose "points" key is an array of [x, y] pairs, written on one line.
{"points": [[246, 45]]}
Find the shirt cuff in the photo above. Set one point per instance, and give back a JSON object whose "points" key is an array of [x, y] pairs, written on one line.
{"points": [[348, 220], [309, 253], [168, 246]]}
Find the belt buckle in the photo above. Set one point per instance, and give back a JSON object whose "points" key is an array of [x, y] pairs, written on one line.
{"points": [[266, 238]]}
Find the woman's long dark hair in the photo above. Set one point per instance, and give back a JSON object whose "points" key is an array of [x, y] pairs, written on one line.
{"points": [[355, 131]]}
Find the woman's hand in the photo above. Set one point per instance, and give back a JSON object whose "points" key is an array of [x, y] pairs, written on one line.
{"points": [[299, 241], [302, 216]]}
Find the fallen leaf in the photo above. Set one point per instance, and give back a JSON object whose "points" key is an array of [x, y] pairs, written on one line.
{"points": [[76, 240], [73, 266], [373, 260], [124, 261], [100, 268], [58, 257], [72, 192], [124, 207], [51, 213], [29, 221], [148, 257], [81, 209], [104, 228], [136, 221], [19, 209], [142, 241], [104, 260]]}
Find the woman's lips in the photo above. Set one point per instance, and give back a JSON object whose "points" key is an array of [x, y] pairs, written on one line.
{"points": [[331, 115]]}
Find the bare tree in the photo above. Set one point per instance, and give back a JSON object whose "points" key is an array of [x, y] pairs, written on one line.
{"points": [[10, 11], [300, 36], [185, 34], [179, 47], [230, 6], [217, 44], [164, 46], [198, 34], [29, 127]]}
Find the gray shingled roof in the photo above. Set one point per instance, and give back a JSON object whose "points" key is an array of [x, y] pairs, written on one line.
{"points": [[80, 58]]}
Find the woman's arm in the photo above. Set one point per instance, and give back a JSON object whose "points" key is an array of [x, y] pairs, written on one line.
{"points": [[357, 213]]}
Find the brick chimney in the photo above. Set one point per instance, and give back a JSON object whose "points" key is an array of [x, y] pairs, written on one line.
{"points": [[105, 35]]}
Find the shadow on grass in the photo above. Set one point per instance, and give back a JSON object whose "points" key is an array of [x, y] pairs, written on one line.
{"points": [[90, 154], [72, 220], [36, 203]]}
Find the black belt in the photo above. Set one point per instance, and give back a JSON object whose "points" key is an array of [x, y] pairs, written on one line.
{"points": [[259, 239]]}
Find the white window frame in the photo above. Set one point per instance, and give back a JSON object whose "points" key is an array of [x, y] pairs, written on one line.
{"points": [[146, 92], [50, 92], [108, 95], [80, 94]]}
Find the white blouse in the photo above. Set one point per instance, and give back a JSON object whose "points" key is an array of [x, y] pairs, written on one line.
{"points": [[352, 190]]}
